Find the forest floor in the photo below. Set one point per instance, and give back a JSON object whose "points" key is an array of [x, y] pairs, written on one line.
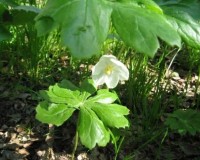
{"points": [[23, 137]]}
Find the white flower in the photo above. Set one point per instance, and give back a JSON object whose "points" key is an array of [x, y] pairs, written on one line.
{"points": [[109, 70]]}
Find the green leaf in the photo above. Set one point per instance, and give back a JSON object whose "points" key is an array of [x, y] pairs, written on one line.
{"points": [[91, 129], [24, 14], [188, 6], [104, 96], [184, 18], [68, 85], [83, 22], [88, 86], [184, 121], [140, 28], [4, 34], [52, 113], [150, 4], [44, 25], [112, 114], [57, 94]]}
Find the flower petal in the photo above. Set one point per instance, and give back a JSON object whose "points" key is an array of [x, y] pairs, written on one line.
{"points": [[99, 68], [121, 69], [123, 73], [99, 79], [112, 80], [107, 58]]}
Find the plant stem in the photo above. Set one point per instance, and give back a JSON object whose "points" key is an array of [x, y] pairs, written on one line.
{"points": [[75, 145], [118, 148], [50, 140]]}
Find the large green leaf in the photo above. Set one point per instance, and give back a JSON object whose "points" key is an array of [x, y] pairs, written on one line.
{"points": [[104, 96], [112, 114], [83, 22], [91, 130], [52, 113], [184, 16], [140, 28]]}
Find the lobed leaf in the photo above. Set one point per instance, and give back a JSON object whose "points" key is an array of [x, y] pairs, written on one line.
{"points": [[91, 130], [112, 114], [185, 21], [57, 94], [140, 28], [104, 96], [52, 113], [83, 22]]}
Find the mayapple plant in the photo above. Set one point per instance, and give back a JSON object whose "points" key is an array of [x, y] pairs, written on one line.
{"points": [[98, 112]]}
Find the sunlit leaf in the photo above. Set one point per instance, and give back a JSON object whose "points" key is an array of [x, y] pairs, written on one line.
{"points": [[52, 113], [104, 96], [57, 94], [140, 28], [112, 114], [91, 130]]}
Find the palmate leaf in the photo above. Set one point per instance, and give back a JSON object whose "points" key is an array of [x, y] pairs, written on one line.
{"points": [[104, 96], [184, 16], [83, 22], [57, 94], [112, 115], [96, 110], [141, 27], [91, 129], [52, 113]]}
